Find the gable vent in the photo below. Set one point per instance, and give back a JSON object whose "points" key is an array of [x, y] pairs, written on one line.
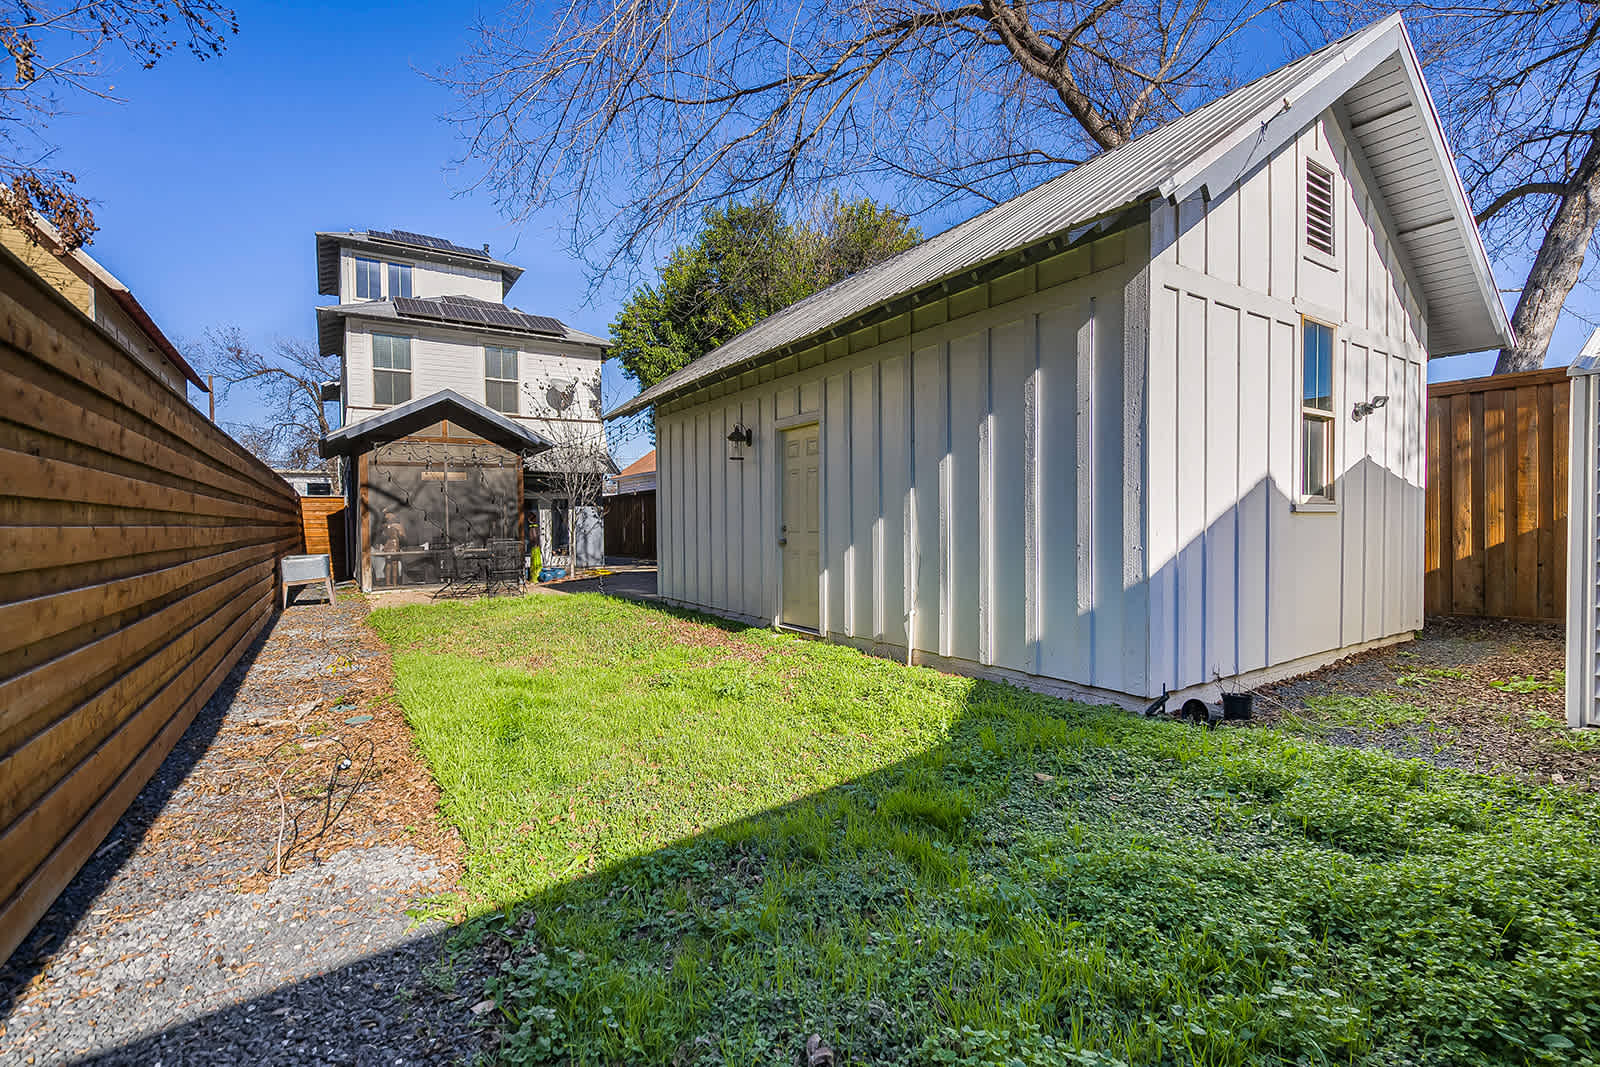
{"points": [[1319, 208]]}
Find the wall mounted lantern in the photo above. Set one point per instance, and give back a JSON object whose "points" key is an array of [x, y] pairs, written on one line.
{"points": [[741, 437], [1367, 407]]}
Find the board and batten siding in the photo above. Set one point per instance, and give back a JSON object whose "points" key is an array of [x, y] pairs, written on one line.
{"points": [[1583, 550], [1241, 579], [973, 482]]}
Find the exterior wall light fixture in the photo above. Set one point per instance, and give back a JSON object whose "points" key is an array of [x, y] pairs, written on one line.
{"points": [[741, 437], [1367, 407]]}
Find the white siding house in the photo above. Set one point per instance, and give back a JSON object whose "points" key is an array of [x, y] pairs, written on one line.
{"points": [[420, 317], [1154, 425]]}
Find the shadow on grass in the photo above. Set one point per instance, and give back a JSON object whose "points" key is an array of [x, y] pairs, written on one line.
{"points": [[1048, 883]]}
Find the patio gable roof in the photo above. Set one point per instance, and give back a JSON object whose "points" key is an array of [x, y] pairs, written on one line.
{"points": [[445, 405]]}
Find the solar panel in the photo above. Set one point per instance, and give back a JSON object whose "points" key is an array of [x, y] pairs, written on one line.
{"points": [[422, 240], [470, 311]]}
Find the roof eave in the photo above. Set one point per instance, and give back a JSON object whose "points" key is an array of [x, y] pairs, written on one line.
{"points": [[357, 312], [402, 419], [136, 311], [1056, 243], [1215, 171]]}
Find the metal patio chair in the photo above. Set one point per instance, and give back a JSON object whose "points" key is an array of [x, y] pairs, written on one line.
{"points": [[507, 565]]}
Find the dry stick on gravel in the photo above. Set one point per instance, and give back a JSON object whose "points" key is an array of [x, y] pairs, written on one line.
{"points": [[330, 816]]}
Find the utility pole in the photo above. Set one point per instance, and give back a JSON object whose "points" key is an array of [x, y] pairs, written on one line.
{"points": [[211, 391]]}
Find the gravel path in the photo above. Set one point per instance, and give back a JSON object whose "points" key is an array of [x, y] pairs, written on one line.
{"points": [[199, 935]]}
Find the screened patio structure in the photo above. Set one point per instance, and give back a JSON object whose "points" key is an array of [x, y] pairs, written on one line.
{"points": [[432, 481]]}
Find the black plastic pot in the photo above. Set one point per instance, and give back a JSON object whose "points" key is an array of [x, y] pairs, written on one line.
{"points": [[1237, 705]]}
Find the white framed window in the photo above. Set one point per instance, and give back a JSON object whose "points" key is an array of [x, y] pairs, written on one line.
{"points": [[500, 378], [399, 280], [391, 369], [369, 279], [1317, 417], [1321, 231]]}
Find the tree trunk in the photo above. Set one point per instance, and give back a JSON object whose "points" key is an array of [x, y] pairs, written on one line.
{"points": [[1555, 268]]}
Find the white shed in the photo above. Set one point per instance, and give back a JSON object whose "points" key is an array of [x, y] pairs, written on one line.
{"points": [[1156, 423], [1583, 539]]}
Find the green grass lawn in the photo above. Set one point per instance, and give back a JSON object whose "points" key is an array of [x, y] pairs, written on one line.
{"points": [[707, 843]]}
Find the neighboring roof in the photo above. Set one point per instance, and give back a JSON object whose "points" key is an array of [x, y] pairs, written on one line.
{"points": [[406, 243], [136, 311], [1376, 73], [637, 477], [418, 414], [124, 298], [645, 464], [462, 312]]}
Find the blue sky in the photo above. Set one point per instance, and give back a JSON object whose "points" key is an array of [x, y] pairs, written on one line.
{"points": [[211, 179]]}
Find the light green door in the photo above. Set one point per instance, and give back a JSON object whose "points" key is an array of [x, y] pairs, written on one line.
{"points": [[800, 536]]}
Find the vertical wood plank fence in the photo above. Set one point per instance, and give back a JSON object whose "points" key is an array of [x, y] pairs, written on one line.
{"points": [[1496, 540], [140, 550]]}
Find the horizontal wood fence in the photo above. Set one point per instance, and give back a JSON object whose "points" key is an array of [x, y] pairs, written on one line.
{"points": [[1496, 540], [141, 549], [322, 525]]}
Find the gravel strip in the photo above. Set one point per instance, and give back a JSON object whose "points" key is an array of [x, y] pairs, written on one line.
{"points": [[1486, 694], [227, 920]]}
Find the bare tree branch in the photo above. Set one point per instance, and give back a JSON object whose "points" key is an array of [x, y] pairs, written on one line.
{"points": [[61, 50], [634, 116], [286, 386]]}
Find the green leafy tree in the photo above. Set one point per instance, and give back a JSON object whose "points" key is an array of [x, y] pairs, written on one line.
{"points": [[748, 262]]}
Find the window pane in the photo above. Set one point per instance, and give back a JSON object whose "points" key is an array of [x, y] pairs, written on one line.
{"points": [[367, 279], [1317, 373], [391, 353], [1316, 444], [399, 280], [502, 396], [390, 387]]}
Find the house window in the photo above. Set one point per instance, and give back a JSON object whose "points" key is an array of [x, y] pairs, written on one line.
{"points": [[1319, 208], [391, 369], [369, 278], [1316, 412], [500, 378], [399, 280]]}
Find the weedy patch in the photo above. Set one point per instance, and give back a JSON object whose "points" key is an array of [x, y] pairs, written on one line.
{"points": [[1423, 679], [792, 839], [1371, 712], [1553, 682]]}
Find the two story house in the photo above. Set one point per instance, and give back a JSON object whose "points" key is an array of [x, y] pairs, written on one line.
{"points": [[464, 420]]}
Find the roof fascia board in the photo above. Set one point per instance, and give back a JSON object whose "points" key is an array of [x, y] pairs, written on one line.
{"points": [[1270, 129]]}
